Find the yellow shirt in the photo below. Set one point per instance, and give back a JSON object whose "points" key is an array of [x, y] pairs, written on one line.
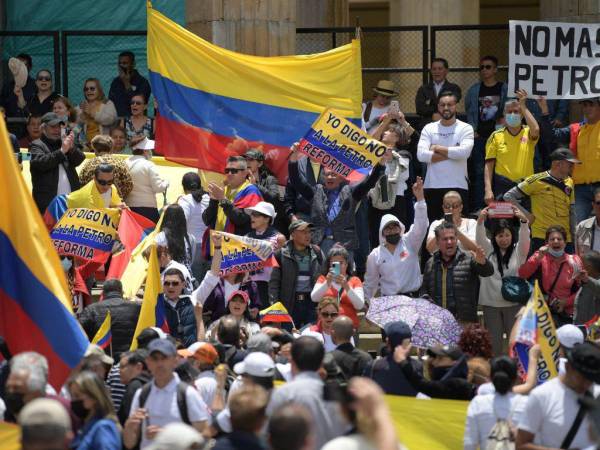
{"points": [[551, 201], [513, 154], [588, 152]]}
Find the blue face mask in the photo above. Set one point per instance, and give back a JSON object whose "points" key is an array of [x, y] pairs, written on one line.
{"points": [[513, 119], [556, 253]]}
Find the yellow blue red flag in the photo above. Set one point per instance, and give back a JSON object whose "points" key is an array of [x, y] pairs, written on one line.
{"points": [[215, 103], [537, 327], [35, 303], [152, 313], [103, 336]]}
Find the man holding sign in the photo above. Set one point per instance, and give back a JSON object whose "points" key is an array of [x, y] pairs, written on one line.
{"points": [[333, 203]]}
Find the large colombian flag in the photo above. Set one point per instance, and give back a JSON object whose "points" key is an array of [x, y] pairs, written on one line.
{"points": [[214, 103], [35, 304]]}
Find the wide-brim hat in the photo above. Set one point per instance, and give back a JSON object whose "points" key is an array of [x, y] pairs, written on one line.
{"points": [[386, 88]]}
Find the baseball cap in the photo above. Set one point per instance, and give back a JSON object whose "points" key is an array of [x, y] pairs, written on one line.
{"points": [[52, 119], [239, 293], [564, 154], [164, 346], [44, 411], [257, 364], [200, 351], [96, 350], [585, 358], [568, 335], [254, 153], [396, 332], [299, 225], [451, 351], [176, 436], [263, 208]]}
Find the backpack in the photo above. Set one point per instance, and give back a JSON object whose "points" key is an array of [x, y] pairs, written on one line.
{"points": [[501, 436], [181, 400]]}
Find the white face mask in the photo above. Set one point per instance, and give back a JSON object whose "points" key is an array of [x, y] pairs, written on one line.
{"points": [[556, 253], [66, 264], [513, 119]]}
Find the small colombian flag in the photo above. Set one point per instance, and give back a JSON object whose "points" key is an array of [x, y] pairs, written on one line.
{"points": [[103, 337]]}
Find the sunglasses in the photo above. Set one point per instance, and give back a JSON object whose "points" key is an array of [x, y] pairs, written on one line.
{"points": [[172, 283], [327, 315], [486, 66], [44, 78], [105, 182], [89, 88], [136, 103], [232, 170]]}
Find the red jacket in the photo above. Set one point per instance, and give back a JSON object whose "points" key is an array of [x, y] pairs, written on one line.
{"points": [[565, 286]]}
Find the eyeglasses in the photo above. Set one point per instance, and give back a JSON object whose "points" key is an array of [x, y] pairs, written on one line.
{"points": [[232, 170], [327, 315], [486, 66], [172, 283], [44, 78], [105, 182], [136, 103], [454, 206], [89, 88]]}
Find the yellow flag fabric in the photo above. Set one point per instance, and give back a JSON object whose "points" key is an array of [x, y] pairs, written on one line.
{"points": [[103, 336], [89, 197], [10, 436], [152, 311]]}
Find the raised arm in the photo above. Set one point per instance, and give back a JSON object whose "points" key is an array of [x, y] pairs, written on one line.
{"points": [[298, 181], [534, 128]]}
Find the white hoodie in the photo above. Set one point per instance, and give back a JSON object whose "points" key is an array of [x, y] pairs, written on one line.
{"points": [[398, 272]]}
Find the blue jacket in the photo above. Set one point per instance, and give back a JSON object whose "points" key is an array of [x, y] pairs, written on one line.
{"points": [[98, 434], [472, 104], [182, 314]]}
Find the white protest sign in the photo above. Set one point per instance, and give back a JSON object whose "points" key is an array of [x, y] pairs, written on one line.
{"points": [[554, 59]]}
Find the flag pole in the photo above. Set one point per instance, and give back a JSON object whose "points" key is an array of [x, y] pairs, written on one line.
{"points": [[357, 30]]}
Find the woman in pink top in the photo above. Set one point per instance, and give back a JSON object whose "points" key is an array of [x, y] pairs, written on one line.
{"points": [[559, 274], [336, 282]]}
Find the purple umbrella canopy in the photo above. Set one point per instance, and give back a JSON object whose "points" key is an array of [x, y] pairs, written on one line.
{"points": [[430, 324]]}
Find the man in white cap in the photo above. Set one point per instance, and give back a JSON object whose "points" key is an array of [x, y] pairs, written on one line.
{"points": [[45, 424], [393, 267], [262, 216], [568, 336], [178, 436]]}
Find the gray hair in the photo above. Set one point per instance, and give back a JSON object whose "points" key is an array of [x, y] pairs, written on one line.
{"points": [[36, 366], [242, 163], [510, 103], [260, 342]]}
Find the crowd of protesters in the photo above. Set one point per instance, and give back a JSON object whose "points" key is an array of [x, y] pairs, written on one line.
{"points": [[230, 377]]}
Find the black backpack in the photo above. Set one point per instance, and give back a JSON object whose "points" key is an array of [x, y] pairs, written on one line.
{"points": [[181, 399]]}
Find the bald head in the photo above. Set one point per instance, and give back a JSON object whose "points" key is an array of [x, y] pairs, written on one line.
{"points": [[342, 329]]}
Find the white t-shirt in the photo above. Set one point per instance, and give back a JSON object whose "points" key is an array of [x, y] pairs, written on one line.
{"points": [[193, 214], [550, 412], [485, 410], [63, 187], [375, 112], [106, 198], [162, 409], [452, 172], [206, 385]]}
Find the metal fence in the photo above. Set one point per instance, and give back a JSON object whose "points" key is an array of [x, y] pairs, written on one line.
{"points": [[401, 54]]}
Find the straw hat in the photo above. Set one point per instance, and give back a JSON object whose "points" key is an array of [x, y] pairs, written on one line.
{"points": [[386, 88]]}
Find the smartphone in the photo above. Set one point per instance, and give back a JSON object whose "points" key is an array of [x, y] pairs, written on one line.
{"points": [[394, 106], [335, 266], [448, 218]]}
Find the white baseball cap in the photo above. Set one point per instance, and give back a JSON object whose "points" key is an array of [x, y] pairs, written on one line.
{"points": [[569, 335], [176, 436], [264, 208], [257, 364]]}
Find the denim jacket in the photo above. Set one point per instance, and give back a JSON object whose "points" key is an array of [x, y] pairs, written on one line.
{"points": [[472, 103]]}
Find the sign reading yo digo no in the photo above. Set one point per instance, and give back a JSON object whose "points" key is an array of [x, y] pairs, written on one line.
{"points": [[554, 60]]}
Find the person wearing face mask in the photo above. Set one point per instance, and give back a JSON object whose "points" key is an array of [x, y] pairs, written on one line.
{"points": [[91, 403], [552, 198], [393, 266], [510, 150], [559, 274]]}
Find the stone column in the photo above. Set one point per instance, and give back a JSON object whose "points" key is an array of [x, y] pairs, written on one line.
{"points": [[255, 27], [462, 50]]}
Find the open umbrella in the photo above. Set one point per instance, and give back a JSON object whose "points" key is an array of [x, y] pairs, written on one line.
{"points": [[430, 324]]}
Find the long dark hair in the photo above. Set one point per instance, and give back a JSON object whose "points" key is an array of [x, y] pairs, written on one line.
{"points": [[191, 183], [174, 226], [503, 260], [504, 374]]}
